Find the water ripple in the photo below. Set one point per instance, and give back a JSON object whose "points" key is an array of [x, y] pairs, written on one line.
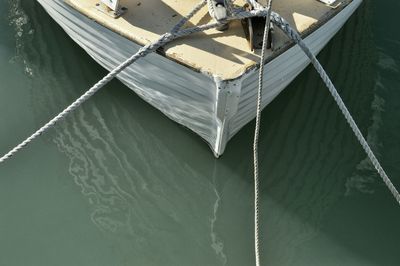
{"points": [[20, 22]]}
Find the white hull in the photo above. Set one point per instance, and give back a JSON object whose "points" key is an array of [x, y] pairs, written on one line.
{"points": [[216, 110]]}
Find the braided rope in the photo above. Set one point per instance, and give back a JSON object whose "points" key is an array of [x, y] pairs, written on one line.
{"points": [[189, 16], [292, 34], [257, 134], [177, 33], [145, 50], [229, 6]]}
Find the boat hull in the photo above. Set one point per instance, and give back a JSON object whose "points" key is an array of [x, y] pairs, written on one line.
{"points": [[214, 109]]}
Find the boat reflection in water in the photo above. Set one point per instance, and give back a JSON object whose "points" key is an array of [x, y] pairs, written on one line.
{"points": [[157, 193]]}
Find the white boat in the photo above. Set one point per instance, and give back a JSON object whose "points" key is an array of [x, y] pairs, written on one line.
{"points": [[206, 82]]}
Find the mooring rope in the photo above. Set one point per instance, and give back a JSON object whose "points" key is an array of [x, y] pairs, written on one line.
{"points": [[185, 19], [294, 35], [175, 33], [145, 50], [257, 134]]}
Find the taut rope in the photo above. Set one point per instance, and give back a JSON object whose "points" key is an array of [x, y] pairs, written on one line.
{"points": [[175, 33], [256, 136]]}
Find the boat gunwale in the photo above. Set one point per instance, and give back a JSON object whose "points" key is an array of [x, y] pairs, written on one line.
{"points": [[276, 53]]}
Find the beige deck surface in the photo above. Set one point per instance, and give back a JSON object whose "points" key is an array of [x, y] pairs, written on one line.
{"points": [[225, 54]]}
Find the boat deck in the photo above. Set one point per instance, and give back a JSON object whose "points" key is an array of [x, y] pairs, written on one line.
{"points": [[223, 54]]}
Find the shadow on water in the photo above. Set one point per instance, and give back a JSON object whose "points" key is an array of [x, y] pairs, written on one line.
{"points": [[155, 188]]}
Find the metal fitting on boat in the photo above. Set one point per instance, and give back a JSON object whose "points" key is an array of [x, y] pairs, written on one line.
{"points": [[111, 8], [254, 30], [218, 11]]}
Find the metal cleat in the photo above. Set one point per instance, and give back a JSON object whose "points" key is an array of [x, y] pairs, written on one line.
{"points": [[219, 12], [111, 8]]}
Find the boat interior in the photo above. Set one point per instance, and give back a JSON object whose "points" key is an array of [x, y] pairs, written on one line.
{"points": [[226, 54]]}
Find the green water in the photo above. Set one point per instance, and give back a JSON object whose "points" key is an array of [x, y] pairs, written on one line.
{"points": [[117, 183]]}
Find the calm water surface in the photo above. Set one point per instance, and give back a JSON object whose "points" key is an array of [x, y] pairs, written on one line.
{"points": [[117, 183]]}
